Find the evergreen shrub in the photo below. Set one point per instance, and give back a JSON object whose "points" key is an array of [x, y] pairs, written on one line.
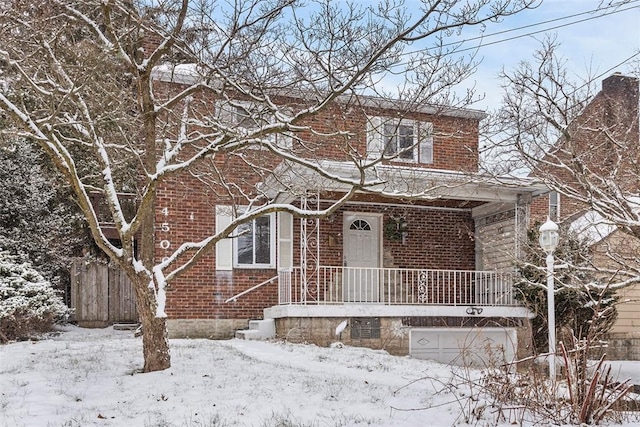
{"points": [[29, 304]]}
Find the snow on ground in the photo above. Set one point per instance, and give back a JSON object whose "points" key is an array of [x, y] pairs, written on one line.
{"points": [[625, 369], [88, 377]]}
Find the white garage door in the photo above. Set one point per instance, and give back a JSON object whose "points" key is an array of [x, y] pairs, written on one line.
{"points": [[478, 347]]}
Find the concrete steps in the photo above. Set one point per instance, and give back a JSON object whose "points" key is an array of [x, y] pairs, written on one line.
{"points": [[258, 330]]}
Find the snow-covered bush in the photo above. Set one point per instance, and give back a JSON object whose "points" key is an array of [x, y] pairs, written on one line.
{"points": [[28, 303]]}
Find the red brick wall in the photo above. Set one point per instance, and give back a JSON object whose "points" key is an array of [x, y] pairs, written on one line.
{"points": [[201, 291], [455, 139], [436, 239], [539, 209], [186, 212]]}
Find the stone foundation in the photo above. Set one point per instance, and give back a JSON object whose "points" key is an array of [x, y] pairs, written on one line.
{"points": [[392, 334], [205, 328], [392, 337], [380, 333]]}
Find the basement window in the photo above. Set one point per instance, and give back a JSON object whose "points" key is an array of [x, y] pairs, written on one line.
{"points": [[363, 328]]}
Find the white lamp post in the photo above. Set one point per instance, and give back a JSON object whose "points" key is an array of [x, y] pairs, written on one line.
{"points": [[549, 242]]}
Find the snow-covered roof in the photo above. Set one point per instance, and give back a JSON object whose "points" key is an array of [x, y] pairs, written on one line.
{"points": [[592, 227], [191, 74], [177, 73], [402, 181]]}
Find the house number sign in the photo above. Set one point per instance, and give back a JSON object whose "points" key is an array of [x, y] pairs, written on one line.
{"points": [[165, 244], [165, 228]]}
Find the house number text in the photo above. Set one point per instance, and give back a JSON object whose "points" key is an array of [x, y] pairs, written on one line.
{"points": [[165, 228]]}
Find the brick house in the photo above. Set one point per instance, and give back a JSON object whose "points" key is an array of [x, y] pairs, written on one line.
{"points": [[411, 265], [612, 115]]}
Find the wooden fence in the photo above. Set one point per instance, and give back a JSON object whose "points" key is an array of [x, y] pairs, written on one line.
{"points": [[101, 295]]}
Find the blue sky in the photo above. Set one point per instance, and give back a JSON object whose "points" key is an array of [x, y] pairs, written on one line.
{"points": [[594, 47]]}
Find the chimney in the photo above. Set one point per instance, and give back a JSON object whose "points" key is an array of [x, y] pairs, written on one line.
{"points": [[623, 88], [621, 95]]}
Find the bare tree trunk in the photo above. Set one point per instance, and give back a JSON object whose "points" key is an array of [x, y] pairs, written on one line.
{"points": [[155, 342]]}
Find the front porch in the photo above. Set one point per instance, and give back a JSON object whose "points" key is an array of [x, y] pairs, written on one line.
{"points": [[332, 291], [428, 313], [424, 275]]}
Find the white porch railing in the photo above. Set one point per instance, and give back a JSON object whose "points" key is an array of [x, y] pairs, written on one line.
{"points": [[396, 286]]}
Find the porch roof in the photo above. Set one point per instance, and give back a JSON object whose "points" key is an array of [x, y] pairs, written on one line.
{"points": [[396, 181]]}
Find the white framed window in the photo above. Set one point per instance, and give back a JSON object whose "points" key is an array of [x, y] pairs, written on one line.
{"points": [[401, 140], [257, 247], [256, 242], [250, 116]]}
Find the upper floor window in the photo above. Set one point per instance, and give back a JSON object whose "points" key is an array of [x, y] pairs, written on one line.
{"points": [[249, 116], [255, 244], [400, 140], [245, 115]]}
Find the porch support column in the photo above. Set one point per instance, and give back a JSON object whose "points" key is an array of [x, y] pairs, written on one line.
{"points": [[523, 203], [310, 248]]}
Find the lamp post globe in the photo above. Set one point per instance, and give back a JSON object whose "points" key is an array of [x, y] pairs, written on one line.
{"points": [[549, 236]]}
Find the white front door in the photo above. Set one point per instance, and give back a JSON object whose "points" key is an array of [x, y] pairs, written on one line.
{"points": [[362, 257]]}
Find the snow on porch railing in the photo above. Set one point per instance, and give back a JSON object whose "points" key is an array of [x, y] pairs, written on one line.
{"points": [[396, 286]]}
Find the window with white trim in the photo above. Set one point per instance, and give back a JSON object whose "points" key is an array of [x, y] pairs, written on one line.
{"points": [[255, 245], [254, 249], [400, 140], [250, 116]]}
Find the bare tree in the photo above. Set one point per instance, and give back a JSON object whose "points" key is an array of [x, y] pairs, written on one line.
{"points": [[583, 144], [124, 96]]}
